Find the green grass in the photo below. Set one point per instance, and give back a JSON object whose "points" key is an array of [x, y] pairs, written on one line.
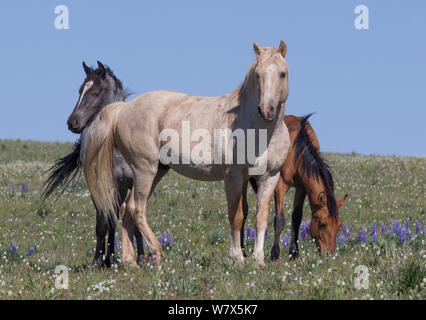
{"points": [[382, 189]]}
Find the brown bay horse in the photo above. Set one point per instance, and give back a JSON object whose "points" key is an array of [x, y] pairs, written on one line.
{"points": [[307, 171]]}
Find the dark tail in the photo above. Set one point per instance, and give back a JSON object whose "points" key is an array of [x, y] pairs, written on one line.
{"points": [[253, 184], [63, 171]]}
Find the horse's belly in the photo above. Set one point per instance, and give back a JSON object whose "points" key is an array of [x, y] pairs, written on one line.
{"points": [[197, 172]]}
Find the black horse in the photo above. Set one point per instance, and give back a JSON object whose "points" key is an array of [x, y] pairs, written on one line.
{"points": [[100, 88]]}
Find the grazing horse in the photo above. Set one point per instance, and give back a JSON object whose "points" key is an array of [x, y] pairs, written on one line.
{"points": [[307, 171], [138, 128], [100, 88]]}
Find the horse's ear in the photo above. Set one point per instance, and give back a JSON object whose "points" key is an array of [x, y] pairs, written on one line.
{"points": [[102, 69], [321, 198], [341, 201], [257, 49], [282, 48], [87, 70]]}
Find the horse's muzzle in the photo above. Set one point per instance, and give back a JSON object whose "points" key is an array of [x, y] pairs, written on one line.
{"points": [[73, 126], [270, 113]]}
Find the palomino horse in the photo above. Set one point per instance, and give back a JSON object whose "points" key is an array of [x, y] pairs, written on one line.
{"points": [[307, 171], [137, 129], [100, 88]]}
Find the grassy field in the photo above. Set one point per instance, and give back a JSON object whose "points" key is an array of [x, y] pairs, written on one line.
{"points": [[35, 238]]}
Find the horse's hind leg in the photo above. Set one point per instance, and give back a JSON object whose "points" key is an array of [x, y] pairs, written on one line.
{"points": [[145, 180], [128, 227], [234, 186], [279, 220], [101, 232], [296, 219]]}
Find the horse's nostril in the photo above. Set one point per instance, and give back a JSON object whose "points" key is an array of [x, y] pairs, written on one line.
{"points": [[270, 108]]}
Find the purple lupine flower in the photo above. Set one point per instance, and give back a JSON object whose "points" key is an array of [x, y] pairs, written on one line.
{"points": [[373, 228], [25, 187], [13, 187], [14, 248], [390, 230], [407, 224], [266, 232], [30, 251], [253, 234], [134, 241], [161, 239], [396, 224], [402, 235], [374, 237], [303, 231], [119, 247], [286, 239], [362, 235], [169, 239], [308, 228], [398, 230], [383, 228], [418, 228], [115, 241], [346, 232], [68, 187], [342, 240], [248, 234], [79, 183]]}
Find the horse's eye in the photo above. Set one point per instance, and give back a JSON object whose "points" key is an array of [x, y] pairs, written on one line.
{"points": [[282, 75]]}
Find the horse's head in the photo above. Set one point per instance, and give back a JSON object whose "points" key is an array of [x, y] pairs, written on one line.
{"points": [[325, 225], [99, 89], [271, 80]]}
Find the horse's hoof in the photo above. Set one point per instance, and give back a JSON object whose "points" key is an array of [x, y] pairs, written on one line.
{"points": [[97, 263], [140, 258], [259, 260], [110, 260], [293, 254], [261, 264], [275, 253]]}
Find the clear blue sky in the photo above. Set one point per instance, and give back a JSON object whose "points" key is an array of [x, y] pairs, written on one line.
{"points": [[368, 87]]}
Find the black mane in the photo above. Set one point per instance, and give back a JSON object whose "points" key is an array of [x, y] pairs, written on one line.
{"points": [[63, 171], [314, 165]]}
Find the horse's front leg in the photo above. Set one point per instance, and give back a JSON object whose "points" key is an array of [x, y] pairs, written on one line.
{"points": [[111, 257], [234, 185], [245, 214], [279, 220], [296, 219], [266, 185]]}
